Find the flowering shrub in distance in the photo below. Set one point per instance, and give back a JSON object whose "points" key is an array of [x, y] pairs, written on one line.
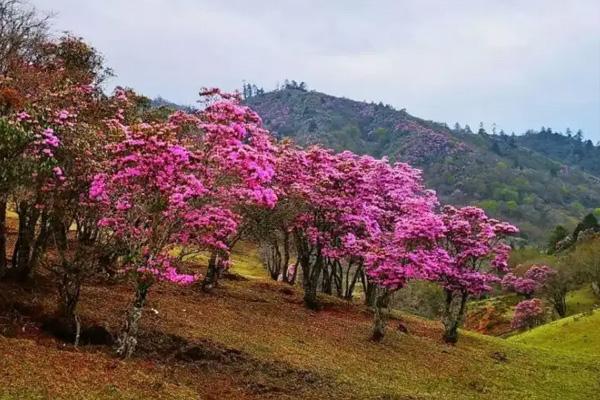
{"points": [[528, 314]]}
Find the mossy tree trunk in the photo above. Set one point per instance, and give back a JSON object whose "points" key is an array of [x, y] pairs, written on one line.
{"points": [[380, 313], [454, 314]]}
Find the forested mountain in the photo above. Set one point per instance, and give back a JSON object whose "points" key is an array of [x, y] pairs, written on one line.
{"points": [[497, 172], [567, 148]]}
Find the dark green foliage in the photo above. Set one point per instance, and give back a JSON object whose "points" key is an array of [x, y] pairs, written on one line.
{"points": [[588, 222], [12, 146], [559, 233], [568, 149]]}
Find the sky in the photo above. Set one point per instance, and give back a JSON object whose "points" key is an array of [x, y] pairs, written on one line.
{"points": [[519, 64]]}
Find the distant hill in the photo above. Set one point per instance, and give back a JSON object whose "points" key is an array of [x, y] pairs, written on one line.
{"points": [[566, 148], [497, 172], [159, 102]]}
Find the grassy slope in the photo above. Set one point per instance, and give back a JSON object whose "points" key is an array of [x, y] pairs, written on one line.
{"points": [[578, 334], [287, 352], [581, 300]]}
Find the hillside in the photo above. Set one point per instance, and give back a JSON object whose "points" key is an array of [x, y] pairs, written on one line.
{"points": [[253, 339], [578, 334], [567, 149], [495, 172]]}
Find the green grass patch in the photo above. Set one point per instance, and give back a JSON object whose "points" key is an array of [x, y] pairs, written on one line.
{"points": [[575, 335], [582, 300]]}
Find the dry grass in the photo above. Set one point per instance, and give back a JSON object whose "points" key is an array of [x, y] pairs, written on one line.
{"points": [[252, 339]]}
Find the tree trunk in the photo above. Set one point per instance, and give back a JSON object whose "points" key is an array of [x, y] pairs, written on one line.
{"points": [[211, 273], [3, 204], [560, 303], [21, 262], [310, 282], [380, 314], [337, 279], [41, 242], [286, 256], [128, 339], [453, 314], [69, 290], [596, 288], [350, 287], [327, 285], [292, 280], [370, 290]]}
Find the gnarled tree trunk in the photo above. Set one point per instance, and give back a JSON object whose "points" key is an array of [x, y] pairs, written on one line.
{"points": [[350, 285], [454, 314], [69, 290], [28, 217], [559, 302], [127, 341], [310, 283], [380, 313], [311, 272]]}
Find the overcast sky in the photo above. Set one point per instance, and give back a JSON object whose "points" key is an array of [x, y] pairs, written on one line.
{"points": [[520, 64]]}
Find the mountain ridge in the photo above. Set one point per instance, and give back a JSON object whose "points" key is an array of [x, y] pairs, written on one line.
{"points": [[496, 172]]}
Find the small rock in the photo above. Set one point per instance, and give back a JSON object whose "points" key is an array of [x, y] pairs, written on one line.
{"points": [[499, 356], [402, 328]]}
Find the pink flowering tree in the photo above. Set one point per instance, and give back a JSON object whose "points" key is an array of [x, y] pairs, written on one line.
{"points": [[271, 228], [153, 200], [332, 217], [535, 279], [405, 245], [520, 285], [55, 100], [478, 254], [173, 185], [240, 159], [528, 314], [551, 284]]}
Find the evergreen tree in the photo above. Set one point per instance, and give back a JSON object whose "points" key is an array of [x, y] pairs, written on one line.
{"points": [[481, 130], [568, 132]]}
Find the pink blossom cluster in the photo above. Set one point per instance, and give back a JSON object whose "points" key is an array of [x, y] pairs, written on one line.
{"points": [[162, 269], [351, 207], [528, 314], [540, 273], [48, 142], [519, 285], [182, 182], [533, 280], [477, 251]]}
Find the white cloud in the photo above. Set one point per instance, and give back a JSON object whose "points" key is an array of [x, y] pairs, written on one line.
{"points": [[519, 64]]}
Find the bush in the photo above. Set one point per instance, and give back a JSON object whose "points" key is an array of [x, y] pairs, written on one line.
{"points": [[528, 314]]}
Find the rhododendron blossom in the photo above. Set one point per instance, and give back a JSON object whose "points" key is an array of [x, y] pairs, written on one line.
{"points": [[528, 314], [478, 254], [180, 183], [477, 251], [534, 279]]}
